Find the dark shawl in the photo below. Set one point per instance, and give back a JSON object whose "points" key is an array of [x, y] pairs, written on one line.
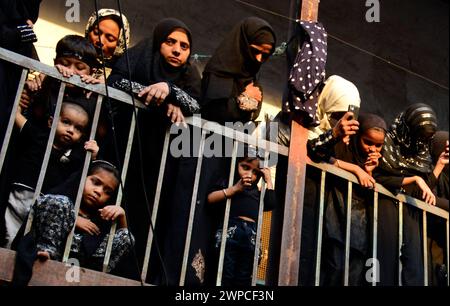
{"points": [[233, 67], [437, 147], [406, 153], [149, 67]]}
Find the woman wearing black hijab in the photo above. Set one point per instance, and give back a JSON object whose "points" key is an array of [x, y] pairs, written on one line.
{"points": [[230, 91], [17, 18], [406, 166], [164, 80]]}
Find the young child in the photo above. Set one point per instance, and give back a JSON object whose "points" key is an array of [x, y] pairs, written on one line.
{"points": [[67, 157], [361, 156], [241, 239], [55, 217], [74, 56]]}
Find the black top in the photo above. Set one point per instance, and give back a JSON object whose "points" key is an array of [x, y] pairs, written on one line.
{"points": [[246, 203], [32, 144], [12, 14]]}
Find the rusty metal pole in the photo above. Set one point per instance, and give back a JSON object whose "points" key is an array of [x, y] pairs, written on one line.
{"points": [[295, 187]]}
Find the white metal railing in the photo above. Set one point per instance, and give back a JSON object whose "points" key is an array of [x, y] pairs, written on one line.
{"points": [[237, 137]]}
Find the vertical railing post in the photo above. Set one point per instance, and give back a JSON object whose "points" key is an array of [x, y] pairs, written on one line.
{"points": [[48, 151], [226, 218], [425, 248], [347, 233], [152, 227], [12, 118], [320, 228], [86, 165], [126, 163], [400, 242], [376, 272], [187, 246]]}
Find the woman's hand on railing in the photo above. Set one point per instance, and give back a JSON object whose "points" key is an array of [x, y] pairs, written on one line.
{"points": [[427, 194], [365, 179], [345, 128], [175, 114], [65, 72], [88, 79], [157, 92]]}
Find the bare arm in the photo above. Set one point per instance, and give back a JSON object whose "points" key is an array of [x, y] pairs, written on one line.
{"points": [[365, 179]]}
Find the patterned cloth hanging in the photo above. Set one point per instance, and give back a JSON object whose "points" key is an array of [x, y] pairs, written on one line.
{"points": [[308, 72]]}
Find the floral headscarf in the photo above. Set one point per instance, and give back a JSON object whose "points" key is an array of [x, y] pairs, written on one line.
{"points": [[115, 15]]}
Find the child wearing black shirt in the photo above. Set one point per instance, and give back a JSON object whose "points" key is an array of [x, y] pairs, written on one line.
{"points": [[241, 237]]}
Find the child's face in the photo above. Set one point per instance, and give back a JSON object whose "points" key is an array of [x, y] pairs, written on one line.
{"points": [[372, 141], [176, 49], [108, 32], [99, 188], [249, 169], [71, 126], [77, 66]]}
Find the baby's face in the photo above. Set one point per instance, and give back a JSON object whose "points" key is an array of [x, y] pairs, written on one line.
{"points": [[249, 169], [71, 127]]}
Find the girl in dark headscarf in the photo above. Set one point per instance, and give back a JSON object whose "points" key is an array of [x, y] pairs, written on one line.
{"points": [[229, 87], [164, 79], [406, 166], [361, 157]]}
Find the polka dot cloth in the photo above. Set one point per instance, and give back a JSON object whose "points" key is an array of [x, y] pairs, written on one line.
{"points": [[308, 72]]}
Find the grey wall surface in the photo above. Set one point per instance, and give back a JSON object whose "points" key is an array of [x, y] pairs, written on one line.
{"points": [[413, 34]]}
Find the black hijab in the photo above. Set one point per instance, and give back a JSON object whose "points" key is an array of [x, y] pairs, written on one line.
{"points": [[233, 60], [353, 153], [437, 147], [149, 67], [407, 150]]}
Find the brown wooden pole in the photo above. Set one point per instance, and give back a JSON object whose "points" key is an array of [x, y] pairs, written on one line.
{"points": [[295, 187]]}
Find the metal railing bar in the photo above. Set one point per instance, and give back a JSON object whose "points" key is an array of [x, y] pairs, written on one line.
{"points": [[226, 218], [259, 225], [14, 110], [425, 248], [87, 162], [347, 233], [47, 154], [320, 228], [375, 240], [187, 246], [75, 80], [120, 193], [382, 190], [400, 242], [162, 168]]}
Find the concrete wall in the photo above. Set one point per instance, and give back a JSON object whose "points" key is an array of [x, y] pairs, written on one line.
{"points": [[412, 33]]}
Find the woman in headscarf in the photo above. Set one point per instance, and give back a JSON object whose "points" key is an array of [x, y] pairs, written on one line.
{"points": [[163, 79], [360, 157], [336, 124], [230, 91], [437, 225], [406, 166], [105, 31]]}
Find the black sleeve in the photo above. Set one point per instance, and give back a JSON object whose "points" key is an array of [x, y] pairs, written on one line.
{"points": [[322, 148], [391, 182], [9, 35], [270, 200]]}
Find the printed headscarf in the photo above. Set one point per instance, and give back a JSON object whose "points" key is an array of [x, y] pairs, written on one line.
{"points": [[406, 152], [337, 95], [307, 75], [124, 26]]}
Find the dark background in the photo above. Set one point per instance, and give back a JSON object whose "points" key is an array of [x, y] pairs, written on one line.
{"points": [[413, 34]]}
